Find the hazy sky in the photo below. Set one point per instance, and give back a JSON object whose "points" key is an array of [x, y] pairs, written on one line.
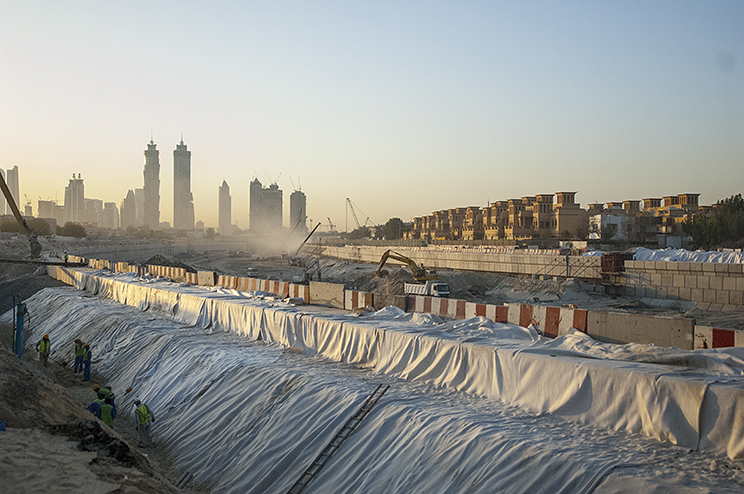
{"points": [[406, 107]]}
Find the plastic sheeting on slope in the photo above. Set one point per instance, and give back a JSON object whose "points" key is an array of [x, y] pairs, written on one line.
{"points": [[683, 255], [249, 418], [695, 407]]}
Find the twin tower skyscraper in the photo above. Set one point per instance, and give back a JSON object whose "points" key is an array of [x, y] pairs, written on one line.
{"points": [[183, 200]]}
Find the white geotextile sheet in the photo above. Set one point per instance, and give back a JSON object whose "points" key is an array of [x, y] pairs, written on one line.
{"points": [[683, 255], [249, 418], [634, 388]]}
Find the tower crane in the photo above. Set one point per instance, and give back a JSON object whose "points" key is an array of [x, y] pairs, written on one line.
{"points": [[353, 213]]}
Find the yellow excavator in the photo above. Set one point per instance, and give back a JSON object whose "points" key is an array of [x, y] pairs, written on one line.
{"points": [[419, 272]]}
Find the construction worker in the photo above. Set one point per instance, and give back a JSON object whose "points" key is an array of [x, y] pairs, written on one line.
{"points": [[87, 356], [44, 346], [108, 412], [104, 410], [104, 393], [143, 417], [79, 352], [66, 257]]}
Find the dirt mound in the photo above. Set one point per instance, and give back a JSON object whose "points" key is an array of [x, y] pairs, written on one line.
{"points": [[160, 260], [92, 437], [28, 399]]}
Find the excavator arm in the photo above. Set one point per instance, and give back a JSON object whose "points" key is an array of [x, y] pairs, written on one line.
{"points": [[419, 273], [35, 245]]}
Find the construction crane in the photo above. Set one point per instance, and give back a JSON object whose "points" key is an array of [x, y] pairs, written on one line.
{"points": [[331, 226], [350, 206], [419, 272], [35, 245]]}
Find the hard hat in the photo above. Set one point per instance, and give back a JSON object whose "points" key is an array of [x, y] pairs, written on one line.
{"points": [[46, 336], [96, 387], [137, 400], [77, 339], [87, 345]]}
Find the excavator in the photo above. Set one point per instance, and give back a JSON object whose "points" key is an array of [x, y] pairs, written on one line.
{"points": [[426, 281], [32, 239], [419, 273]]}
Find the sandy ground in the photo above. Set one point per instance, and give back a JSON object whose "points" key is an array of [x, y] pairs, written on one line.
{"points": [[52, 444]]}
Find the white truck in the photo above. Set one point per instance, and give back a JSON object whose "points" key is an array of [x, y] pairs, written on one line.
{"points": [[430, 288]]}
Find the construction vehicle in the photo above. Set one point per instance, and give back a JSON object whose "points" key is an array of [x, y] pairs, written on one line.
{"points": [[430, 288], [32, 239], [312, 270], [294, 259], [427, 281], [419, 273]]}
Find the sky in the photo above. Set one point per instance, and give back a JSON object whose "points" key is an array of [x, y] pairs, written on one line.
{"points": [[405, 107]]}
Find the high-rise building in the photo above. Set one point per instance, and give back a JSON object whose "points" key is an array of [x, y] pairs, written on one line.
{"points": [[128, 211], [12, 179], [75, 200], [183, 201], [225, 210], [266, 208], [139, 197], [298, 211], [151, 204], [110, 216], [45, 209], [93, 212], [255, 206]]}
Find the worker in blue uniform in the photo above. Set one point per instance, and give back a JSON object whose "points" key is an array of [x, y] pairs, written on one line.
{"points": [[86, 362]]}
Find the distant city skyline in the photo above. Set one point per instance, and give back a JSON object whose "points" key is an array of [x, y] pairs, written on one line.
{"points": [[405, 107]]}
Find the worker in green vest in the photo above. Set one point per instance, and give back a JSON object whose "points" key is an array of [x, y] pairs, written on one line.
{"points": [[104, 393], [108, 412], [143, 417], [104, 410], [44, 346]]}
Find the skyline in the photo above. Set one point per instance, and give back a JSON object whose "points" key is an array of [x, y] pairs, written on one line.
{"points": [[406, 108]]}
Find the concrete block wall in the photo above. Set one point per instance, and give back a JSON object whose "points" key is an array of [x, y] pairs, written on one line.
{"points": [[713, 286], [327, 294], [516, 262]]}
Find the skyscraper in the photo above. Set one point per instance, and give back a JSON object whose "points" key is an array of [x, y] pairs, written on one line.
{"points": [[74, 200], [110, 216], [255, 206], [298, 212], [12, 180], [183, 202], [225, 210], [152, 187], [128, 210], [266, 207], [139, 197]]}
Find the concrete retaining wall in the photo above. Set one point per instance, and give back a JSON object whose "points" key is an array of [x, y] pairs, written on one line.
{"points": [[713, 286], [516, 262], [615, 327]]}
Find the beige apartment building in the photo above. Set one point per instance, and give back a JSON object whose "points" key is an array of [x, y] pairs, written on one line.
{"points": [[514, 219], [550, 216]]}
